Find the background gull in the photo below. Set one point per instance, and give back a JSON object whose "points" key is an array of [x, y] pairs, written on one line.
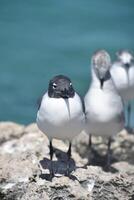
{"points": [[103, 104], [122, 72]]}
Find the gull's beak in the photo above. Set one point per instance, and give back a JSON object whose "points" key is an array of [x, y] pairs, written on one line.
{"points": [[127, 65], [101, 82], [65, 94]]}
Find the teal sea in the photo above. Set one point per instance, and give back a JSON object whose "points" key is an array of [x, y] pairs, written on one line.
{"points": [[40, 39]]}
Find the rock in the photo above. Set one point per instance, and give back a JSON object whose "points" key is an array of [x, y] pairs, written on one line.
{"points": [[25, 165], [10, 130], [122, 147]]}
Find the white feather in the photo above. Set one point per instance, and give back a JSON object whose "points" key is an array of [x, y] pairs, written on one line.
{"points": [[60, 118]]}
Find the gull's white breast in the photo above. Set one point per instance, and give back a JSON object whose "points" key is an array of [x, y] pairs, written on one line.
{"points": [[104, 112], [60, 118]]}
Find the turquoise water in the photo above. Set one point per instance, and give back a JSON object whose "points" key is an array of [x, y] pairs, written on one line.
{"points": [[39, 39]]}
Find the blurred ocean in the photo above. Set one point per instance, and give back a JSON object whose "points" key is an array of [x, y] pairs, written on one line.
{"points": [[40, 39]]}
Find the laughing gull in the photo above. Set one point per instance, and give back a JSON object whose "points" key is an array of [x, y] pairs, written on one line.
{"points": [[103, 105], [60, 114], [122, 73]]}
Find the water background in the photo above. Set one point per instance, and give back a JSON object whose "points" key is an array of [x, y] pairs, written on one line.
{"points": [[43, 38]]}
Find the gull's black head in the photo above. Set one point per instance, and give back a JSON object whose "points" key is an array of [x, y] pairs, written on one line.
{"points": [[60, 87]]}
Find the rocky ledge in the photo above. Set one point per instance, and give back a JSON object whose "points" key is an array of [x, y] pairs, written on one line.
{"points": [[24, 167]]}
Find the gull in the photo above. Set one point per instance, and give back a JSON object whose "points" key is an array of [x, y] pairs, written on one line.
{"points": [[103, 105], [122, 72], [61, 113]]}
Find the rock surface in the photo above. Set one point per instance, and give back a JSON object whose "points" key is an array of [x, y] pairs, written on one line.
{"points": [[25, 164]]}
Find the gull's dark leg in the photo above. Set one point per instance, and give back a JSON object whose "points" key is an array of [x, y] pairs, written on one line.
{"points": [[90, 150], [68, 159], [129, 114], [90, 141], [109, 153], [51, 157]]}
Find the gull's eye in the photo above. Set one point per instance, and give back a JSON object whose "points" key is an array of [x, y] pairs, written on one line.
{"points": [[70, 84], [54, 85]]}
